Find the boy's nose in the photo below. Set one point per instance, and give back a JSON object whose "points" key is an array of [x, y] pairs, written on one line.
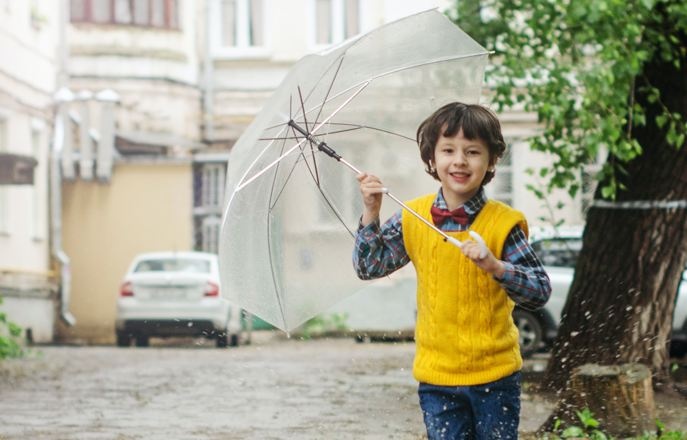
{"points": [[461, 158]]}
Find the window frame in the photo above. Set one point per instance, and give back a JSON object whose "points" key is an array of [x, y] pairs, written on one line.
{"points": [[4, 190], [210, 228], [39, 188], [242, 50], [213, 180], [170, 13], [561, 248], [337, 22]]}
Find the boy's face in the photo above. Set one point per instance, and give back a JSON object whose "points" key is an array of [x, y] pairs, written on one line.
{"points": [[461, 165]]}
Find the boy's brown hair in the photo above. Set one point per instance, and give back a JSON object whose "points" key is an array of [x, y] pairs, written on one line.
{"points": [[476, 121]]}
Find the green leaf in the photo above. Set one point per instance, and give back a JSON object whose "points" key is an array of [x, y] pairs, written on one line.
{"points": [[661, 120], [572, 432]]}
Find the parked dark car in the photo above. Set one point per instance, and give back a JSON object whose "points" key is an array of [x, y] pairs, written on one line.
{"points": [[558, 252]]}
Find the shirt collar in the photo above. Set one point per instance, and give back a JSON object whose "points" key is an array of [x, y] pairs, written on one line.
{"points": [[472, 206]]}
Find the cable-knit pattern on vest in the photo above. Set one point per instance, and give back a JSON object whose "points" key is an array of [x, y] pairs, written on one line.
{"points": [[465, 334]]}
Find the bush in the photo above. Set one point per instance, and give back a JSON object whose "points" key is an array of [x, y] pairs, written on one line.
{"points": [[9, 337], [590, 429]]}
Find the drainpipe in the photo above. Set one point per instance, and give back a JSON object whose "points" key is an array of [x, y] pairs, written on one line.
{"points": [[62, 98], [208, 75]]}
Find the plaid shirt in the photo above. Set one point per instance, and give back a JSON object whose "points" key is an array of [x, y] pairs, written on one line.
{"points": [[379, 251]]}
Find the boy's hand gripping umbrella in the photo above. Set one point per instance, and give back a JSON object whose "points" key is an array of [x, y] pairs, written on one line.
{"points": [[326, 149], [290, 218]]}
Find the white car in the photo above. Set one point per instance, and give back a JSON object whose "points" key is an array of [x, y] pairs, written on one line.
{"points": [[167, 294], [558, 253]]}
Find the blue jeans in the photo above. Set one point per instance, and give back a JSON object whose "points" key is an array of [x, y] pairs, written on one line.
{"points": [[486, 412]]}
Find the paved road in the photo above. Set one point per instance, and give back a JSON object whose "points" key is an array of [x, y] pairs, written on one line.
{"points": [[272, 389]]}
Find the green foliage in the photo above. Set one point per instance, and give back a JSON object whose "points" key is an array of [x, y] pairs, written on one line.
{"points": [[579, 65], [322, 324], [589, 428], [9, 337]]}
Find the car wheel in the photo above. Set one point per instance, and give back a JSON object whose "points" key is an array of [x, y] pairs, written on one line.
{"points": [[123, 339], [530, 332], [234, 340], [677, 349], [361, 339], [142, 341], [221, 341]]}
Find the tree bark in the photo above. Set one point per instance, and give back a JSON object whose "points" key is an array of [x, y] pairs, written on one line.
{"points": [[620, 398], [620, 305]]}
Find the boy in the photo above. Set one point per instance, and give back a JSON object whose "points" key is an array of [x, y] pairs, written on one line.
{"points": [[468, 360]]}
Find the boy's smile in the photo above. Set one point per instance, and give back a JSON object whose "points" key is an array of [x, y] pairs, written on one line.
{"points": [[461, 165]]}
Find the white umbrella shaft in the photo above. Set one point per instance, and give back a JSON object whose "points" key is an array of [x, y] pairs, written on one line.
{"points": [[326, 149]]}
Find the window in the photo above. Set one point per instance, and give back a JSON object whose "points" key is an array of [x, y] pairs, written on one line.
{"points": [[210, 232], [148, 13], [501, 186], [212, 185], [558, 252], [4, 196], [188, 265], [242, 24], [335, 21], [208, 197], [39, 188]]}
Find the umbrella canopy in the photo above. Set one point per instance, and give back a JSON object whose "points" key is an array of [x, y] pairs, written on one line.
{"points": [[292, 212]]}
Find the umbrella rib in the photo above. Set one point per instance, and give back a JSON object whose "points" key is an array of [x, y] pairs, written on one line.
{"points": [[329, 203], [271, 205], [290, 150], [365, 82], [336, 213], [312, 150], [352, 127], [329, 90], [274, 275]]}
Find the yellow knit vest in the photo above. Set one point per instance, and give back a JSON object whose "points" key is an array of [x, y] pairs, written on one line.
{"points": [[465, 333]]}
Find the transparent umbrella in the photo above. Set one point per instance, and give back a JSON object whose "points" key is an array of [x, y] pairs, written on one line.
{"points": [[292, 208]]}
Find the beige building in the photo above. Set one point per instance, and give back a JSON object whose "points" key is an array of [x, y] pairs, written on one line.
{"points": [[141, 105]]}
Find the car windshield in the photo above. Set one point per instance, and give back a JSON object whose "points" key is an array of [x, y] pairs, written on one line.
{"points": [[559, 252], [193, 265]]}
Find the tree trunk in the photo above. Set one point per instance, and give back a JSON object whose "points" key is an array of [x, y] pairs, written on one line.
{"points": [[620, 398], [620, 305]]}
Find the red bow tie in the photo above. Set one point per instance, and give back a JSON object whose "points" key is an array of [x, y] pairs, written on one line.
{"points": [[441, 215]]}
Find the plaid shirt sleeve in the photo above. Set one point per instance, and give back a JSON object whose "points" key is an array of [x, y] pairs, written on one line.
{"points": [[379, 251], [525, 280]]}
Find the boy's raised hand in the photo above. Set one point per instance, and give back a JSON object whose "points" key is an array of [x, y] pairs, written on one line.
{"points": [[371, 189], [477, 251]]}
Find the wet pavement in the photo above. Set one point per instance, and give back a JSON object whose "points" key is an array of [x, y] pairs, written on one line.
{"points": [[275, 388]]}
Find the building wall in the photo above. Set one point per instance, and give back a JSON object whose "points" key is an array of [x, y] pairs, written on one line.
{"points": [[146, 207], [28, 37], [153, 70], [26, 87], [244, 78]]}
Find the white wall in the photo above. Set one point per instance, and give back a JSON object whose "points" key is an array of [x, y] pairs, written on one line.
{"points": [[28, 41], [27, 81]]}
